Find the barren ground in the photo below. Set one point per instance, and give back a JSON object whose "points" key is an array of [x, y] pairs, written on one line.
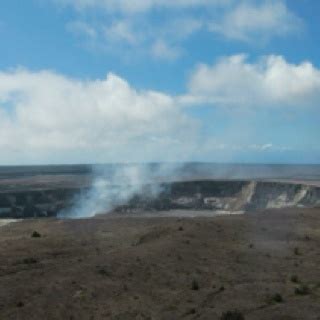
{"points": [[264, 264]]}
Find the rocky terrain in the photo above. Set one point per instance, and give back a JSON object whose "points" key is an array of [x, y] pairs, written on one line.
{"points": [[255, 266]]}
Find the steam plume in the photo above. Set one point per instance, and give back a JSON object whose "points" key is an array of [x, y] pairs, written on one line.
{"points": [[114, 186]]}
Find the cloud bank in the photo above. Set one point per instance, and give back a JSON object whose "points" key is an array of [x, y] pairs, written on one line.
{"points": [[271, 81], [45, 115], [44, 112]]}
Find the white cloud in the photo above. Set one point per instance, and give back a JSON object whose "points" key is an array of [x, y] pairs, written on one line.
{"points": [[255, 21], [48, 117], [262, 147], [133, 23], [82, 28], [269, 82], [182, 28], [161, 42], [138, 6], [47, 113], [122, 31], [161, 50]]}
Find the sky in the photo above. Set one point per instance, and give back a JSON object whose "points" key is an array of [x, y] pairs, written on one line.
{"points": [[97, 81]]}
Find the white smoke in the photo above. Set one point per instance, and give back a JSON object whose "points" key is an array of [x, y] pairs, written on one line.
{"points": [[115, 186]]}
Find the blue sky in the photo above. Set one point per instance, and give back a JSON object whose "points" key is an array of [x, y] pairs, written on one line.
{"points": [[156, 80]]}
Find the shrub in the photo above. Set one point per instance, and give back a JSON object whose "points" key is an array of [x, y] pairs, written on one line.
{"points": [[195, 285], [232, 315], [294, 279], [30, 261], [297, 251], [36, 234], [277, 298], [302, 290]]}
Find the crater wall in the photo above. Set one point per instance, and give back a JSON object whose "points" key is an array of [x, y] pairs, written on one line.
{"points": [[228, 196], [225, 196]]}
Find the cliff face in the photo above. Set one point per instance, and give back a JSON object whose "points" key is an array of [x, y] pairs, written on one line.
{"points": [[35, 203], [226, 196], [229, 196]]}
